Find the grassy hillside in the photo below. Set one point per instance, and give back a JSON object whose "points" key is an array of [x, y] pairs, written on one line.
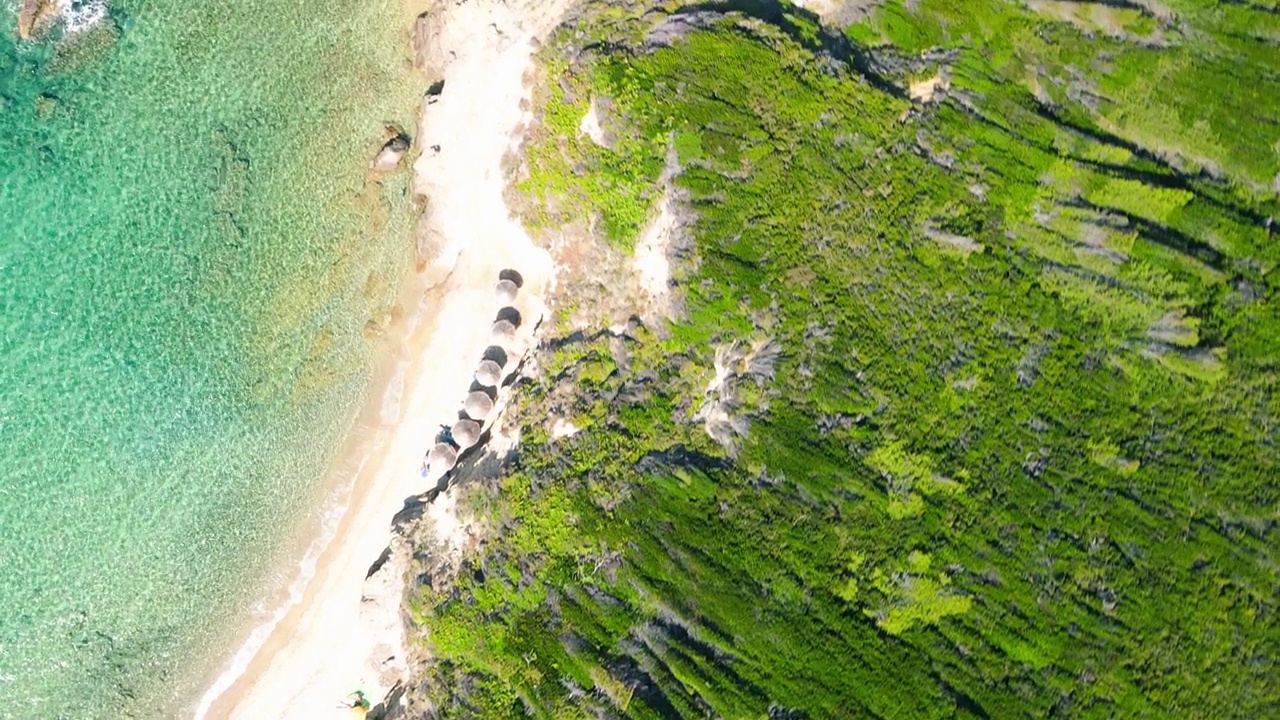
{"points": [[970, 408]]}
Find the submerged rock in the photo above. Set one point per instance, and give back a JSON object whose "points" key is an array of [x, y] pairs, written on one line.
{"points": [[76, 50], [78, 31], [47, 105], [36, 17]]}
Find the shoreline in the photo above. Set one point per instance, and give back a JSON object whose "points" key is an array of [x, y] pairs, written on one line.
{"points": [[307, 545], [316, 650]]}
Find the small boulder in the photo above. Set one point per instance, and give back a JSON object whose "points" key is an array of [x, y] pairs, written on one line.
{"points": [[47, 105], [394, 148]]}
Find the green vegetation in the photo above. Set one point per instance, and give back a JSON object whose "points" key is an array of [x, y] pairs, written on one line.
{"points": [[1032, 479]]}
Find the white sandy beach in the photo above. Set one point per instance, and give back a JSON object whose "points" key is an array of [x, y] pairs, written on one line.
{"points": [[321, 650]]}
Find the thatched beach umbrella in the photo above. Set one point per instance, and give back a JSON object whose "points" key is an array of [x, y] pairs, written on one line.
{"points": [[478, 405], [496, 354], [504, 331], [466, 433], [509, 314], [506, 291], [441, 458], [512, 275], [489, 373]]}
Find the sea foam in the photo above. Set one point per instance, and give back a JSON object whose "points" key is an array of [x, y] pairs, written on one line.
{"points": [[80, 15], [74, 16]]}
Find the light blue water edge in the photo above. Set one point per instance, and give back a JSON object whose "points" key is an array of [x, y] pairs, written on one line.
{"points": [[190, 247]]}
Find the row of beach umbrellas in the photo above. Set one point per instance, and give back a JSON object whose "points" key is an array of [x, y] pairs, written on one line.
{"points": [[488, 374]]}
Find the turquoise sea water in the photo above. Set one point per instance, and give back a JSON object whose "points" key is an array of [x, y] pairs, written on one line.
{"points": [[189, 251]]}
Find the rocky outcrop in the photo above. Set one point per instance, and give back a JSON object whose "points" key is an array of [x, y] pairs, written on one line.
{"points": [[394, 148], [381, 599], [428, 49], [36, 17]]}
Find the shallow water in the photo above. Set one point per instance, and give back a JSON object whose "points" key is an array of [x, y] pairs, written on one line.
{"points": [[189, 251]]}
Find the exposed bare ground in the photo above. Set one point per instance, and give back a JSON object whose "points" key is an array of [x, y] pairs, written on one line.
{"points": [[722, 413], [840, 13], [590, 125], [962, 243], [924, 91]]}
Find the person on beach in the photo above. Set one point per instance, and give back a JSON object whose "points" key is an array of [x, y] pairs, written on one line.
{"points": [[358, 703]]}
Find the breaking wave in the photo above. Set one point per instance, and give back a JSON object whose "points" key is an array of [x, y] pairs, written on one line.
{"points": [[74, 16], [80, 15]]}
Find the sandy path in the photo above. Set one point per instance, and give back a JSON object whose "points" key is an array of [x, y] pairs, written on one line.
{"points": [[318, 653]]}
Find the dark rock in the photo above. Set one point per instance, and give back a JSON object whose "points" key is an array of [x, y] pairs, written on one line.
{"points": [[675, 27]]}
